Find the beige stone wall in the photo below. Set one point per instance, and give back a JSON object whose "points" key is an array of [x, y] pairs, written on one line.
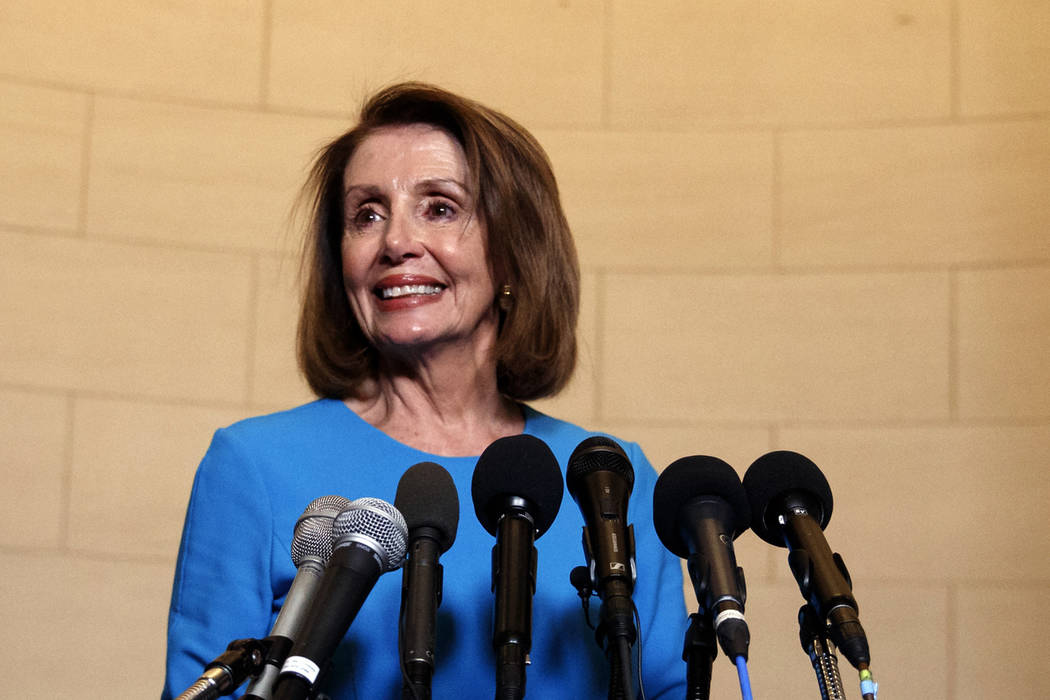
{"points": [[820, 226]]}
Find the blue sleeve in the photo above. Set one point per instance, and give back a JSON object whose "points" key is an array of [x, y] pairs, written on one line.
{"points": [[658, 593], [222, 589]]}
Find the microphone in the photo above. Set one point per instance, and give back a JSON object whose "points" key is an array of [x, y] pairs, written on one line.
{"points": [[791, 502], [699, 508], [427, 498], [517, 490], [368, 540], [311, 548], [599, 477]]}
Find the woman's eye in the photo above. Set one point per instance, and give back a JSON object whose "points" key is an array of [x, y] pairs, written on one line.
{"points": [[441, 210], [365, 217]]}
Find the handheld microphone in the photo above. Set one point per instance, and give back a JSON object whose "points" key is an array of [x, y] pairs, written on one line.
{"points": [[699, 508], [792, 503], [311, 548], [599, 477], [368, 540], [517, 490], [427, 498]]}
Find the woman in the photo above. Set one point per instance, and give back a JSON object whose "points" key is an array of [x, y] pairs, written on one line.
{"points": [[441, 292]]}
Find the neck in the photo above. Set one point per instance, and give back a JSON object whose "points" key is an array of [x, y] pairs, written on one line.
{"points": [[443, 403]]}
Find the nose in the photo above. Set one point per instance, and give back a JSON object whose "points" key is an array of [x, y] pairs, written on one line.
{"points": [[402, 238]]}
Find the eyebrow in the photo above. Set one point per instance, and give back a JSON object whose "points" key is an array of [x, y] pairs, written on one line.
{"points": [[430, 182], [422, 185], [370, 190]]}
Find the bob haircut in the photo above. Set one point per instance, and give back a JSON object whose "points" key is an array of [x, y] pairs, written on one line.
{"points": [[529, 247]]}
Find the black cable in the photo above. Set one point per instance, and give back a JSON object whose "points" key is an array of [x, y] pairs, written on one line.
{"points": [[638, 627]]}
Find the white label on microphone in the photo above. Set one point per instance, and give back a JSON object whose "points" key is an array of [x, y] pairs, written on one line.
{"points": [[301, 666], [728, 615]]}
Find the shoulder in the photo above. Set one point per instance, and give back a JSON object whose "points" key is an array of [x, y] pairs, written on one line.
{"points": [[307, 418], [299, 428], [270, 443]]}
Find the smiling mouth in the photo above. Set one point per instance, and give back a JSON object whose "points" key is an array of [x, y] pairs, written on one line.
{"points": [[409, 290]]}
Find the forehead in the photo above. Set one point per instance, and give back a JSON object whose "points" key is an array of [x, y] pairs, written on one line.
{"points": [[412, 151]]}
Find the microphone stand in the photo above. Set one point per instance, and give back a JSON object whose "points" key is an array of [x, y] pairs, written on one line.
{"points": [[821, 651], [242, 658], [616, 613], [615, 634], [699, 652], [620, 685]]}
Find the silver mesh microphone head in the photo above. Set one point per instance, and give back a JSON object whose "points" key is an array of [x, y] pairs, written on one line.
{"points": [[377, 524], [313, 529]]}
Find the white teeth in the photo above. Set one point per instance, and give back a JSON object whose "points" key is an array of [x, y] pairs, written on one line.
{"points": [[407, 290]]}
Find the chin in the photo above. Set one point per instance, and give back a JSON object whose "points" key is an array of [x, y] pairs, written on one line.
{"points": [[406, 338]]}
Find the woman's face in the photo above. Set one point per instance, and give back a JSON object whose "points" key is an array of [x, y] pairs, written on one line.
{"points": [[415, 261]]}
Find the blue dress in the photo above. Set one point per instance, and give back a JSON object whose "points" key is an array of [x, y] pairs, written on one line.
{"points": [[234, 565]]}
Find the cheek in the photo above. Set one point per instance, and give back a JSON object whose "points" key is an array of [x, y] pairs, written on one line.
{"points": [[351, 256], [473, 259]]}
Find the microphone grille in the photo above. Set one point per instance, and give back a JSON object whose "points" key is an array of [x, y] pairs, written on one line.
{"points": [[376, 523], [313, 529], [597, 453]]}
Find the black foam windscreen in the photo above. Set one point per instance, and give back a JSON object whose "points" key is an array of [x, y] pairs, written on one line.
{"points": [[597, 453], [780, 476], [693, 477], [520, 466], [426, 496]]}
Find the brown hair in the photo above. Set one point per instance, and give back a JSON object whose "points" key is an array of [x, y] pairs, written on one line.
{"points": [[529, 243]]}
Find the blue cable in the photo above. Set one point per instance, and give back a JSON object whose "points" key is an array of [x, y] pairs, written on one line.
{"points": [[745, 680]]}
